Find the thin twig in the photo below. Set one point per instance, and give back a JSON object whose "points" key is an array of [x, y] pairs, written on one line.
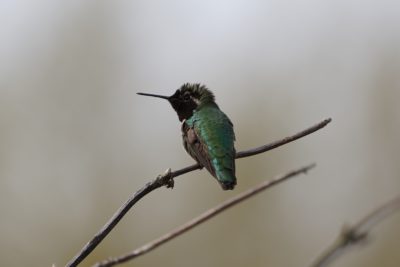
{"points": [[167, 180], [203, 217], [350, 236], [284, 141]]}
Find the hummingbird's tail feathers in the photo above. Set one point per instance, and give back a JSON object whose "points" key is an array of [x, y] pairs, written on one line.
{"points": [[224, 168], [227, 179]]}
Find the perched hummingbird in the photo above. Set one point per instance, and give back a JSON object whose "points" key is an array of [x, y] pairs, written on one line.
{"points": [[206, 131]]}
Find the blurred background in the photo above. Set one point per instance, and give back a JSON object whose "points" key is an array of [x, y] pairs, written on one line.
{"points": [[76, 140]]}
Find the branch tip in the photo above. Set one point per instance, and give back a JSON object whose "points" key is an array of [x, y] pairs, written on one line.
{"points": [[356, 234]]}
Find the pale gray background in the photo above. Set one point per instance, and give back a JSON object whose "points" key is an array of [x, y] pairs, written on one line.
{"points": [[76, 140]]}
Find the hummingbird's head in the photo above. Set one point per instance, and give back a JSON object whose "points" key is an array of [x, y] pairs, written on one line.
{"points": [[187, 98]]}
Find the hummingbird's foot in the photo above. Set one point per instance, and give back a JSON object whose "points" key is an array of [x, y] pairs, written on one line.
{"points": [[170, 182], [166, 179]]}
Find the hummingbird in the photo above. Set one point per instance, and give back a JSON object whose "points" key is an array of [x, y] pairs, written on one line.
{"points": [[207, 133]]}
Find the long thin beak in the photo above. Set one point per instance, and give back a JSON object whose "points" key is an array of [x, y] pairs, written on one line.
{"points": [[153, 95]]}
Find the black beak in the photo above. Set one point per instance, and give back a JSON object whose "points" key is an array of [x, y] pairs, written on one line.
{"points": [[153, 95]]}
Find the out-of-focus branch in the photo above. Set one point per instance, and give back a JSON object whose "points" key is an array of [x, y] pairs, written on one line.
{"points": [[354, 235], [166, 179], [202, 218]]}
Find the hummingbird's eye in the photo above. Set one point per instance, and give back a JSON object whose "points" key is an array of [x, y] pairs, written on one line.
{"points": [[186, 97]]}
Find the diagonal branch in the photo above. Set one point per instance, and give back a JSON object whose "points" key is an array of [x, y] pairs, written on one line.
{"points": [[167, 180], [203, 217], [355, 235]]}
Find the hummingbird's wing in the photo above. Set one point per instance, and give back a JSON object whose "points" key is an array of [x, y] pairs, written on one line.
{"points": [[196, 148]]}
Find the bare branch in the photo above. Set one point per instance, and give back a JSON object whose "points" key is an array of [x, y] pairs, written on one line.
{"points": [[167, 180], [203, 217], [350, 236], [284, 141]]}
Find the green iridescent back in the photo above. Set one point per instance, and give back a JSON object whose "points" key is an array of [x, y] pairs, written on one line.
{"points": [[215, 133]]}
